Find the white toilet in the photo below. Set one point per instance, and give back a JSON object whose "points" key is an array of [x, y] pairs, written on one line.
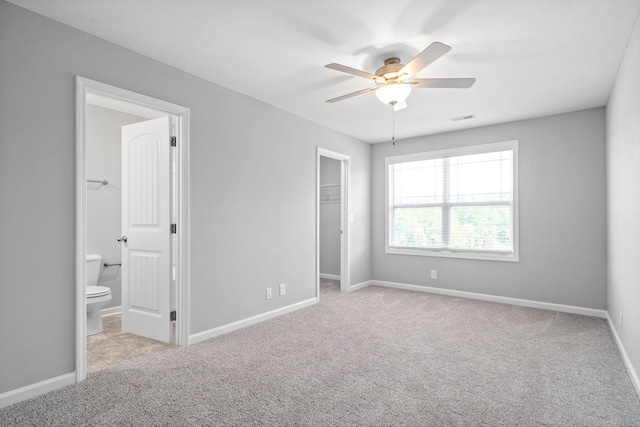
{"points": [[98, 297]]}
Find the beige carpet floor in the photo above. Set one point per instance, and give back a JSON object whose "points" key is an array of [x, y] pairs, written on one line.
{"points": [[374, 357]]}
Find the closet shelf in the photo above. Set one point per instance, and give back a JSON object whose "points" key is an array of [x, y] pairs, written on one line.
{"points": [[330, 193]]}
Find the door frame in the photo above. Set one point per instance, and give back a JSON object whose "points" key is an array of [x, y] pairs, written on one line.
{"points": [[345, 217], [84, 88]]}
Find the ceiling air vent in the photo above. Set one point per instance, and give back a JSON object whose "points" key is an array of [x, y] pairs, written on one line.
{"points": [[465, 117]]}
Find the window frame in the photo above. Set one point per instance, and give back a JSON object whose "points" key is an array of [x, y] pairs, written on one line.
{"points": [[449, 252]]}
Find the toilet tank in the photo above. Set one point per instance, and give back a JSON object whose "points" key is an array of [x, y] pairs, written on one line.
{"points": [[93, 269]]}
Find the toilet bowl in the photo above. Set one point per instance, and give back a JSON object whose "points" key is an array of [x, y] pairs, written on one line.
{"points": [[98, 297]]}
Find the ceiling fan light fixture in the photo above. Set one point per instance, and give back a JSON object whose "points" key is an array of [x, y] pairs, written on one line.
{"points": [[395, 80], [393, 93]]}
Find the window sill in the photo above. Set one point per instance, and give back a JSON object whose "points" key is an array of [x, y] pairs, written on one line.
{"points": [[512, 257]]}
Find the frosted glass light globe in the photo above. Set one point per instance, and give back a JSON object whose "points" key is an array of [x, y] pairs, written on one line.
{"points": [[393, 93]]}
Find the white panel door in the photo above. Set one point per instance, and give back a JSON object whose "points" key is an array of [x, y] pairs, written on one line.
{"points": [[146, 203]]}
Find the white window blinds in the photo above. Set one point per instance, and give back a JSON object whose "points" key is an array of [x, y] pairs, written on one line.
{"points": [[453, 201]]}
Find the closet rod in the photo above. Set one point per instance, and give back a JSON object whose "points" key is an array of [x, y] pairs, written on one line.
{"points": [[103, 182]]}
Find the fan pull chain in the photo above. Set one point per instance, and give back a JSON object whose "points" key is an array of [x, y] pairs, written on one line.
{"points": [[393, 130]]}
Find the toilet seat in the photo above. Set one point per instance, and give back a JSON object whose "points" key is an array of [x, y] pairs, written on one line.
{"points": [[97, 291]]}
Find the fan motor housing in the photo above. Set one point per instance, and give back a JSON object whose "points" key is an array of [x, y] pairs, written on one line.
{"points": [[390, 69]]}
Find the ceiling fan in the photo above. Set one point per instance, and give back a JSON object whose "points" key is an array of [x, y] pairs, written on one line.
{"points": [[395, 80]]}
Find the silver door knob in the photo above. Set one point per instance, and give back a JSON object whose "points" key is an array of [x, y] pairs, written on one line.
{"points": [[122, 239]]}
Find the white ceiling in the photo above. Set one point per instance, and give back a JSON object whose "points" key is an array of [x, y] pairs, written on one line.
{"points": [[531, 58]]}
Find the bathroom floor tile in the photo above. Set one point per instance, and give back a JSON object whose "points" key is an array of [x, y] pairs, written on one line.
{"points": [[133, 342], [152, 348], [94, 363], [92, 339], [110, 351], [113, 346], [111, 323]]}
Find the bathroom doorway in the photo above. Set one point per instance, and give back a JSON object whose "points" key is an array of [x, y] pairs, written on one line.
{"points": [[102, 111], [333, 218]]}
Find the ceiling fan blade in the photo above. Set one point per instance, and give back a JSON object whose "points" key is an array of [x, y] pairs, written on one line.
{"points": [[352, 71], [349, 95], [434, 51], [443, 83]]}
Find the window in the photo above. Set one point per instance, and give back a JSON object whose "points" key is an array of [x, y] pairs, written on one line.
{"points": [[459, 203]]}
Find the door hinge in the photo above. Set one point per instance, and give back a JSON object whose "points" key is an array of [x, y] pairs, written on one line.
{"points": [[174, 141], [174, 228], [172, 316]]}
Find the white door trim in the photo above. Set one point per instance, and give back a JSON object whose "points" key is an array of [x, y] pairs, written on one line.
{"points": [[86, 87], [345, 214]]}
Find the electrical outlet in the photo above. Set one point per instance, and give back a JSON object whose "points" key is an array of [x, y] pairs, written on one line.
{"points": [[283, 289], [434, 274], [621, 321], [268, 293]]}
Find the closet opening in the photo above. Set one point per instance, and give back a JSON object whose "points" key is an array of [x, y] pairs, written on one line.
{"points": [[333, 218]]}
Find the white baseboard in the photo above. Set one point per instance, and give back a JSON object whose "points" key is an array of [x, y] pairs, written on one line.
{"points": [[110, 311], [33, 390], [330, 276], [221, 330], [360, 285], [493, 298], [633, 375]]}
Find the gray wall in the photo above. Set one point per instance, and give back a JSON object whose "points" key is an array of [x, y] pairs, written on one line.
{"points": [[623, 204], [330, 219], [562, 214], [103, 161], [253, 202], [253, 198]]}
